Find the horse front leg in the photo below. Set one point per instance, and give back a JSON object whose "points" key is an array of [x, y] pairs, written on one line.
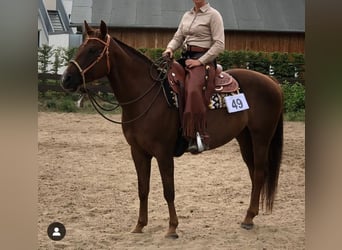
{"points": [[143, 168], [166, 168]]}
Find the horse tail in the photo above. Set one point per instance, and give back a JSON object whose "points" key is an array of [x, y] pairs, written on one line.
{"points": [[274, 160]]}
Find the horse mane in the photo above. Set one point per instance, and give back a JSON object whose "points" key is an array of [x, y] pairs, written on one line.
{"points": [[133, 51]]}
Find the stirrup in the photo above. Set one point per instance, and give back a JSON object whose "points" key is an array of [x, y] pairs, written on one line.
{"points": [[200, 146], [197, 146]]}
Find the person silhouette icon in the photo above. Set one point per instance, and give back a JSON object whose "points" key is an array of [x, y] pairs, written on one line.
{"points": [[56, 232]]}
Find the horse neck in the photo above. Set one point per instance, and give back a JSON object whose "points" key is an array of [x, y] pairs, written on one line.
{"points": [[129, 74]]}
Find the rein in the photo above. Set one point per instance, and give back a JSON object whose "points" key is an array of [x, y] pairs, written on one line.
{"points": [[160, 77]]}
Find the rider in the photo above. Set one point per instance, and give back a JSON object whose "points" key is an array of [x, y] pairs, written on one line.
{"points": [[201, 34]]}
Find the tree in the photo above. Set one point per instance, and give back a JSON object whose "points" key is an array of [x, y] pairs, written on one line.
{"points": [[44, 54], [58, 61]]}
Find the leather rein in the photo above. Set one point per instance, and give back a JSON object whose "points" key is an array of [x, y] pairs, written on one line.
{"points": [[91, 96]]}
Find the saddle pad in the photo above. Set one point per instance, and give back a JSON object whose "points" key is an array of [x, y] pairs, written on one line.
{"points": [[216, 100]]}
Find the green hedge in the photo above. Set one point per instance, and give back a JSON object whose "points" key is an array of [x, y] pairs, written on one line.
{"points": [[294, 101], [285, 66]]}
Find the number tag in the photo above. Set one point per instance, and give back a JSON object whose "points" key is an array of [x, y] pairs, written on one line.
{"points": [[236, 103]]}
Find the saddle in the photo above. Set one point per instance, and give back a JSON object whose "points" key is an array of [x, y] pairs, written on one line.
{"points": [[224, 82]]}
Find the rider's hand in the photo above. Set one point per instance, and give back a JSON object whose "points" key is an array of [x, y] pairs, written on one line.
{"points": [[190, 63], [168, 53]]}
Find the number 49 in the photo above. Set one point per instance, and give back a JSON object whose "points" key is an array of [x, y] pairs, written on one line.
{"points": [[237, 104]]}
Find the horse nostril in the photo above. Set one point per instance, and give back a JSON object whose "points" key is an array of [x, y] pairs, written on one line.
{"points": [[66, 78], [66, 81]]}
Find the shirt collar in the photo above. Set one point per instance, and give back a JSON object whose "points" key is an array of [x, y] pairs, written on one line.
{"points": [[204, 8]]}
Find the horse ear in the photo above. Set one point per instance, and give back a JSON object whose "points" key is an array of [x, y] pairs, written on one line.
{"points": [[87, 28], [103, 29]]}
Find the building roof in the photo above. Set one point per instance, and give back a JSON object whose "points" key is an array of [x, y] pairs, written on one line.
{"points": [[244, 15]]}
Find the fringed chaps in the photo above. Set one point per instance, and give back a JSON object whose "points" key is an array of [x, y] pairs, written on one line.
{"points": [[198, 90]]}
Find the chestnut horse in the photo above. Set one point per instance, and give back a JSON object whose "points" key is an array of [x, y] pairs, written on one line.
{"points": [[151, 127]]}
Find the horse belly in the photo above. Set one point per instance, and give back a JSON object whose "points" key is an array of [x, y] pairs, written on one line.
{"points": [[223, 127]]}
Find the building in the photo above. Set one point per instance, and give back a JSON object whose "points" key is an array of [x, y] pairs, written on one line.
{"points": [[53, 24], [258, 25]]}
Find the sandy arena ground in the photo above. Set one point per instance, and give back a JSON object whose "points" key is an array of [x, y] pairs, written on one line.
{"points": [[87, 181]]}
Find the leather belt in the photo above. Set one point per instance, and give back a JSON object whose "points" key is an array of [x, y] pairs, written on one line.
{"points": [[192, 48]]}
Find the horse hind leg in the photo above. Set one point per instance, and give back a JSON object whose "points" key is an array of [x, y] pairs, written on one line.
{"points": [[266, 149], [143, 168], [246, 148], [258, 176]]}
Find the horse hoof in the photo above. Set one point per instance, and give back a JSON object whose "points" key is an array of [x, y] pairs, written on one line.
{"points": [[247, 226], [171, 236], [136, 231]]}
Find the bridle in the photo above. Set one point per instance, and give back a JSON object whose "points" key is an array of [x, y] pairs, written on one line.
{"points": [[91, 96], [104, 51]]}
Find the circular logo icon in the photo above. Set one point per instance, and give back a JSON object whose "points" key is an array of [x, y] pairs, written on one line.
{"points": [[56, 231]]}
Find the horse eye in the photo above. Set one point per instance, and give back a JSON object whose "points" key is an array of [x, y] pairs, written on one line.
{"points": [[93, 51]]}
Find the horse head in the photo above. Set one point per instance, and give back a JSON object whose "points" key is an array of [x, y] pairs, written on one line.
{"points": [[91, 61]]}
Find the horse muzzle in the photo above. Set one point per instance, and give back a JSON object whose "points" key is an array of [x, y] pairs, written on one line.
{"points": [[70, 83]]}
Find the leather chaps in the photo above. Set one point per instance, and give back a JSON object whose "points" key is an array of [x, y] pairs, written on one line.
{"points": [[199, 86]]}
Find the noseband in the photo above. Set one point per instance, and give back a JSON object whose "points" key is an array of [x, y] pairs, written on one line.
{"points": [[105, 50]]}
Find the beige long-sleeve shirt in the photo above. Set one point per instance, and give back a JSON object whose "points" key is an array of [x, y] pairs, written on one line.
{"points": [[203, 29]]}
